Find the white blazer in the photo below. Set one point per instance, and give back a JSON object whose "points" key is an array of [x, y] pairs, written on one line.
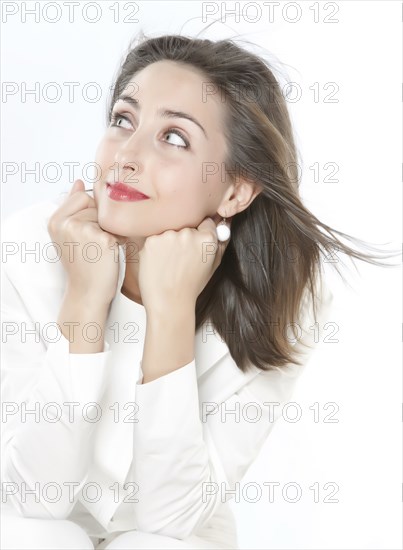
{"points": [[94, 428]]}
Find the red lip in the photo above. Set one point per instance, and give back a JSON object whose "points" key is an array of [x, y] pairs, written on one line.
{"points": [[118, 191]]}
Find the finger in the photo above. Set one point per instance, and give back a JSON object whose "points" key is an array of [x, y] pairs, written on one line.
{"points": [[87, 214], [209, 226], [78, 185], [77, 200]]}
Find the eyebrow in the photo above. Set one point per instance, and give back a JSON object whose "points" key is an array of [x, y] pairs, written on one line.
{"points": [[165, 113]]}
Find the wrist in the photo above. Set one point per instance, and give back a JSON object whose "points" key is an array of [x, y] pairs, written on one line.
{"points": [[167, 310], [169, 342], [92, 301], [171, 317]]}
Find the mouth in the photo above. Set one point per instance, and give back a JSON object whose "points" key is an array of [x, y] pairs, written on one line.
{"points": [[118, 191]]}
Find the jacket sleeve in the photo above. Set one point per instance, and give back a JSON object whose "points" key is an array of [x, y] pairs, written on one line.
{"points": [[188, 456], [49, 401]]}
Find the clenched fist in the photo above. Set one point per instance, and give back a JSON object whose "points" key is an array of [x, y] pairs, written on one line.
{"points": [[89, 254]]}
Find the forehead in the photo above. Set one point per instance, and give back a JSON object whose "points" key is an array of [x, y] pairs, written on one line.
{"points": [[178, 86]]}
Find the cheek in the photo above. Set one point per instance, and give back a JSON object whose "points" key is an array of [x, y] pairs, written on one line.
{"points": [[182, 196], [182, 184], [207, 185], [104, 156]]}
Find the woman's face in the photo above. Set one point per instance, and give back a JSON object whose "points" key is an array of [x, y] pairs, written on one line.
{"points": [[142, 148]]}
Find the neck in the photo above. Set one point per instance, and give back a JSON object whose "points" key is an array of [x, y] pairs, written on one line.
{"points": [[130, 287]]}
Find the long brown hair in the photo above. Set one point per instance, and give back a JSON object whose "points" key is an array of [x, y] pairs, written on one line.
{"points": [[276, 244]]}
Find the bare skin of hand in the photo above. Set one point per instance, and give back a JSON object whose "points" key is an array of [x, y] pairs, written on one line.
{"points": [[175, 266], [91, 285], [174, 269], [74, 227]]}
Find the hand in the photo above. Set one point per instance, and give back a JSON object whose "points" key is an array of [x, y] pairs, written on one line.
{"points": [[76, 221], [175, 266]]}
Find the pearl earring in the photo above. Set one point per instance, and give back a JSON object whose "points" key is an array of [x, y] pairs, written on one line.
{"points": [[223, 231]]}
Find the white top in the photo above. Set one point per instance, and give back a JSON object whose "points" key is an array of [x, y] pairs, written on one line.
{"points": [[166, 438]]}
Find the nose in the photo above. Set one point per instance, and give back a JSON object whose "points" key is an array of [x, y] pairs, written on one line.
{"points": [[127, 166]]}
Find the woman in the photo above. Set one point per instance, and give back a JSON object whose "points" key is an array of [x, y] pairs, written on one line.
{"points": [[186, 289]]}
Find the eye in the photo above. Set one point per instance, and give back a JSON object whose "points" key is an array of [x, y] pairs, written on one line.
{"points": [[180, 140], [116, 118]]}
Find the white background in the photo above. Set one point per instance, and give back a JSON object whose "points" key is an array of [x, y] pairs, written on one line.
{"points": [[362, 134]]}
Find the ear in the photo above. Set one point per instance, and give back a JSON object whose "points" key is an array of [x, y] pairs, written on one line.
{"points": [[238, 197]]}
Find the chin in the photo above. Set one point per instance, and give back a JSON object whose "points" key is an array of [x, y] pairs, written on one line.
{"points": [[105, 223]]}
